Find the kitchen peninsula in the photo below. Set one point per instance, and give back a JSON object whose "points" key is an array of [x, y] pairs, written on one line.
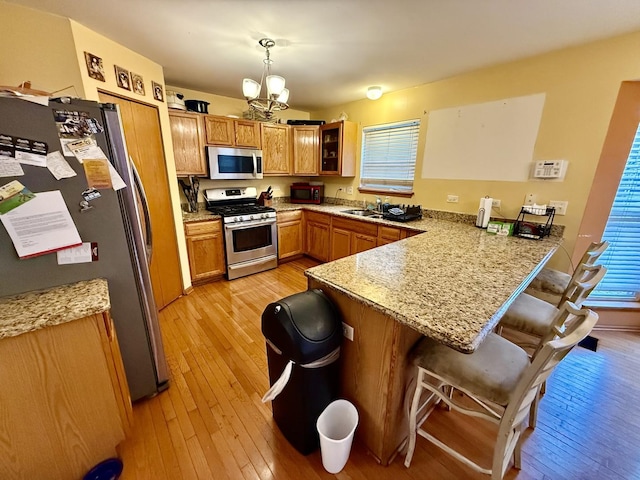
{"points": [[452, 283]]}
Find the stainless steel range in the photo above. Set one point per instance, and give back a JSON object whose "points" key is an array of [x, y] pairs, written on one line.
{"points": [[250, 235]]}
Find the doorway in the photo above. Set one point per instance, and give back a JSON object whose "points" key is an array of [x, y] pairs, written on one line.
{"points": [[141, 124]]}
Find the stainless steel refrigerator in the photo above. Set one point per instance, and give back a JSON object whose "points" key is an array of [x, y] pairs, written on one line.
{"points": [[114, 221]]}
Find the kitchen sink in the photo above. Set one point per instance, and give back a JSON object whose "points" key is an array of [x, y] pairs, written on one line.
{"points": [[364, 213]]}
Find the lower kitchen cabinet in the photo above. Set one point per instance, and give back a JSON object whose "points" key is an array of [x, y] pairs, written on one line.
{"points": [[205, 247], [65, 400], [290, 241], [351, 236], [318, 228]]}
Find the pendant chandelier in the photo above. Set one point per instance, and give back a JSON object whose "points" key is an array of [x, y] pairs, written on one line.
{"points": [[276, 96]]}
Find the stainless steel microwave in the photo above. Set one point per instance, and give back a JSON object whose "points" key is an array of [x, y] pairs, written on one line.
{"points": [[226, 163]]}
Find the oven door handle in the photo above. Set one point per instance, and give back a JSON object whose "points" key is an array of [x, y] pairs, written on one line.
{"points": [[253, 223]]}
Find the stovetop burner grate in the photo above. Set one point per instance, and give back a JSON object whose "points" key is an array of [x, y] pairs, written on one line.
{"points": [[244, 209]]}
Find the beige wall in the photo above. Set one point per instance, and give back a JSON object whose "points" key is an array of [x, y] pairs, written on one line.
{"points": [[38, 47], [112, 53], [581, 85]]}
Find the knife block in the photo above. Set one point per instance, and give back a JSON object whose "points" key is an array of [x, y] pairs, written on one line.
{"points": [[263, 200]]}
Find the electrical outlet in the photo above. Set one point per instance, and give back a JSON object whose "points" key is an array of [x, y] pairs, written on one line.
{"points": [[560, 206], [349, 190], [496, 203], [452, 199], [347, 331], [530, 199]]}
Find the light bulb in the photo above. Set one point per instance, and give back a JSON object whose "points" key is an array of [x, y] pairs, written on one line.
{"points": [[275, 85], [250, 88], [284, 96], [374, 93]]}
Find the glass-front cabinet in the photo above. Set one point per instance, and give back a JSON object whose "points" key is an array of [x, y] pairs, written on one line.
{"points": [[338, 148]]}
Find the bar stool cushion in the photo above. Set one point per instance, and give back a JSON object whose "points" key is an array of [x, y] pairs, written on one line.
{"points": [[529, 314], [551, 281], [491, 372]]}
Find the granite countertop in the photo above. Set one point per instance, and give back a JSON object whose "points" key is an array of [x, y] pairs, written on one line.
{"points": [[452, 283], [32, 311]]}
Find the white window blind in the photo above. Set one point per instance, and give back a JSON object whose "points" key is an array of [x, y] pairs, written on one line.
{"points": [[388, 160], [622, 258]]}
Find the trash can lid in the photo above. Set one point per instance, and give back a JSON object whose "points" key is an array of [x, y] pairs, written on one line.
{"points": [[304, 326]]}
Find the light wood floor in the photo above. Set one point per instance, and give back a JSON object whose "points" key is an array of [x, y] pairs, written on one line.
{"points": [[211, 424]]}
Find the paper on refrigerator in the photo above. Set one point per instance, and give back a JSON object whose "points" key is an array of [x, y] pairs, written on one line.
{"points": [[42, 225], [88, 149]]}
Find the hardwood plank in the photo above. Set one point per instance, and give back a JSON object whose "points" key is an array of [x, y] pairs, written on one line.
{"points": [[211, 422]]}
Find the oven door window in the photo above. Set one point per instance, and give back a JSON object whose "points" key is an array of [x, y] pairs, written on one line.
{"points": [[248, 239]]}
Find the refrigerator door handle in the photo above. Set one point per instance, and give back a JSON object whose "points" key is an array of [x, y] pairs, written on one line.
{"points": [[145, 210]]}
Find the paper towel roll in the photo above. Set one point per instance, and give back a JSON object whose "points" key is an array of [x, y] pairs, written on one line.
{"points": [[488, 204], [484, 212]]}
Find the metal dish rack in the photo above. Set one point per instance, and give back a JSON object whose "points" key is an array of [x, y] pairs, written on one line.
{"points": [[534, 229]]}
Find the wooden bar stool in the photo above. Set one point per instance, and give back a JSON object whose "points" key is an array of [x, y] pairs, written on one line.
{"points": [[549, 285], [535, 317], [500, 380]]}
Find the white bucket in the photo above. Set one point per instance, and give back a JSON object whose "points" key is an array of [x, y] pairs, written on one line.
{"points": [[336, 426]]}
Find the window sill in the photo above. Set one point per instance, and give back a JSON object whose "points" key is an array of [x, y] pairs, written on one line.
{"points": [[391, 193], [611, 305]]}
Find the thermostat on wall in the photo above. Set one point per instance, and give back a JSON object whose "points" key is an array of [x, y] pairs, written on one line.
{"points": [[550, 169]]}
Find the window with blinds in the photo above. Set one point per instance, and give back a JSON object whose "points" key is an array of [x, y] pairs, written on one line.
{"points": [[388, 160], [622, 258]]}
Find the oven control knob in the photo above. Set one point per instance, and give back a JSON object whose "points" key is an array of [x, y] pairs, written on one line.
{"points": [[238, 219], [264, 215], [251, 217]]}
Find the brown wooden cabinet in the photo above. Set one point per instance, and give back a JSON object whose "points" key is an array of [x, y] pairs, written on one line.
{"points": [[317, 229], [338, 143], [187, 134], [231, 132], [205, 247], [351, 236], [290, 235], [276, 149], [305, 148], [65, 405]]}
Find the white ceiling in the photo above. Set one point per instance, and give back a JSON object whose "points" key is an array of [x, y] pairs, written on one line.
{"points": [[329, 51]]}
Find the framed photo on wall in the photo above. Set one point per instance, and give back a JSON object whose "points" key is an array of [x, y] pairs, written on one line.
{"points": [[137, 83], [94, 66], [122, 78], [158, 93]]}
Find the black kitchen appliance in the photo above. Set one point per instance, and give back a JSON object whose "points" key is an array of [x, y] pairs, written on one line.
{"points": [[199, 106], [402, 213], [250, 235], [306, 122]]}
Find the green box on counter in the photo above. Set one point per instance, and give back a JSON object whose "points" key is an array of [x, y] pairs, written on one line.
{"points": [[504, 229]]}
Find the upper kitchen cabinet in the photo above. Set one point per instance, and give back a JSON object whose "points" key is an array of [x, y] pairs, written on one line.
{"points": [[231, 132], [338, 148], [275, 149], [305, 149], [187, 134]]}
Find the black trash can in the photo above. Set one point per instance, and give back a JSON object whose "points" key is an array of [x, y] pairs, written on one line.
{"points": [[306, 329]]}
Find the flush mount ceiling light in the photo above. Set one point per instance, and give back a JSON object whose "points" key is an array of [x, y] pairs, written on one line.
{"points": [[276, 96], [374, 93]]}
